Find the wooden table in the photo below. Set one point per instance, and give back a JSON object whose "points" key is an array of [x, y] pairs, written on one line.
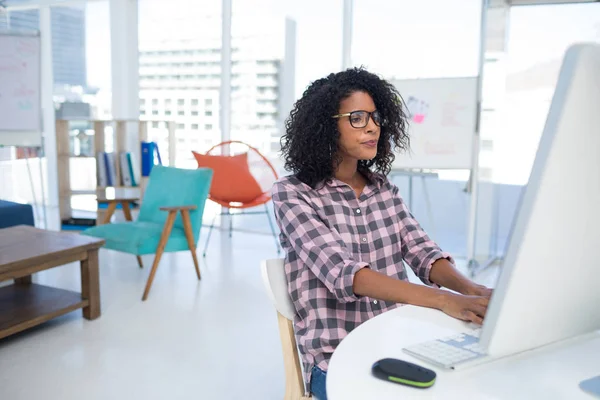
{"points": [[25, 250], [115, 196]]}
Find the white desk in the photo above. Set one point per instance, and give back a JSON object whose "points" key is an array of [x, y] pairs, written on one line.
{"points": [[552, 372]]}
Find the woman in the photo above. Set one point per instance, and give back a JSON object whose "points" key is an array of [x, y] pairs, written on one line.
{"points": [[345, 229]]}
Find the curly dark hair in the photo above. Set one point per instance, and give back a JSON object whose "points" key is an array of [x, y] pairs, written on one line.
{"points": [[310, 142]]}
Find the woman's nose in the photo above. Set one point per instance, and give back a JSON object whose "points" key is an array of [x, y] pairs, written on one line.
{"points": [[371, 126]]}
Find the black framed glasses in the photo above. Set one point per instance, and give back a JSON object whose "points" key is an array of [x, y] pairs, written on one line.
{"points": [[360, 118]]}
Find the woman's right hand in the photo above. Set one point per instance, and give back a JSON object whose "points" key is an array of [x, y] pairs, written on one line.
{"points": [[466, 308]]}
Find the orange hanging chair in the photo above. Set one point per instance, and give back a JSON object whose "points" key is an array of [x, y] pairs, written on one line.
{"points": [[240, 181]]}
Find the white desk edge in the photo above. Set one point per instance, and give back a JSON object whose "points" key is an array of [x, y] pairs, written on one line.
{"points": [[550, 372]]}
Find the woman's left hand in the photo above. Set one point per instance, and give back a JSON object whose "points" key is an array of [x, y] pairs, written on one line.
{"points": [[479, 290]]}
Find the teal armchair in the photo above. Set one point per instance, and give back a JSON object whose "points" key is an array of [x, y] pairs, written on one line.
{"points": [[170, 217]]}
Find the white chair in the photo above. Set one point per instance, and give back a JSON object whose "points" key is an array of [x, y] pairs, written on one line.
{"points": [[276, 284]]}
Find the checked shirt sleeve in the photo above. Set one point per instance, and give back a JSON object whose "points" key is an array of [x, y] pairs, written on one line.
{"points": [[318, 247], [418, 250]]}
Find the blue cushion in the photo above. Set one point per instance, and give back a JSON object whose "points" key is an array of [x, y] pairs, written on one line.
{"points": [[137, 237], [12, 214]]}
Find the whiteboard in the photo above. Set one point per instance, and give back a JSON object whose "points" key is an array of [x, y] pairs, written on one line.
{"points": [[441, 122], [20, 97]]}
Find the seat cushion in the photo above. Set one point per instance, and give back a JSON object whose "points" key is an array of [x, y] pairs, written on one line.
{"points": [[232, 180], [137, 237], [12, 214]]}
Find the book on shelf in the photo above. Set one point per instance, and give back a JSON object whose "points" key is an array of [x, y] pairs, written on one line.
{"points": [[111, 169], [107, 165], [101, 169], [134, 170], [150, 157], [124, 168]]}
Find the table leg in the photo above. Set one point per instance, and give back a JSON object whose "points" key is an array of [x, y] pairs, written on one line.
{"points": [[24, 280], [110, 211], [90, 285], [126, 210]]}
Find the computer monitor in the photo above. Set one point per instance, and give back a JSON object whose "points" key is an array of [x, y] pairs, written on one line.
{"points": [[549, 287]]}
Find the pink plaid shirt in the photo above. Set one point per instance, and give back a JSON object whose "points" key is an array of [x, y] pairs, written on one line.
{"points": [[328, 235]]}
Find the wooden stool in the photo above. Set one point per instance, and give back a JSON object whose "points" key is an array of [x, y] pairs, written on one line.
{"points": [[115, 196]]}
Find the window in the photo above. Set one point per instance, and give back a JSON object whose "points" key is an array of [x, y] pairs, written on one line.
{"points": [[180, 126], [168, 112], [532, 69], [208, 102], [194, 102], [180, 112], [194, 113], [154, 102], [142, 102], [180, 102], [194, 126], [155, 124], [154, 112], [208, 127], [168, 102], [487, 145], [413, 25], [208, 113]]}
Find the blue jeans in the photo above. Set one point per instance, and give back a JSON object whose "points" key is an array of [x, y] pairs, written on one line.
{"points": [[317, 383]]}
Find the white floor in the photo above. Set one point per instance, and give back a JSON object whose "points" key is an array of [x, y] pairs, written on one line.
{"points": [[213, 339]]}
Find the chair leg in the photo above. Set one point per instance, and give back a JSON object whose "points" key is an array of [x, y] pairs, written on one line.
{"points": [[187, 227], [112, 206], [294, 383], [126, 210], [208, 237], [140, 263], [272, 229], [164, 238]]}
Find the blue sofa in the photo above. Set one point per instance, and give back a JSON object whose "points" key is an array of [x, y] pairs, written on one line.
{"points": [[12, 214]]}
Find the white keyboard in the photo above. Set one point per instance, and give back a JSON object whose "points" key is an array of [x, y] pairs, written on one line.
{"points": [[449, 351]]}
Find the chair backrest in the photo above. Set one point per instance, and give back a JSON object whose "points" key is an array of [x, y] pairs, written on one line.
{"points": [[273, 274], [170, 186], [232, 179], [261, 168]]}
